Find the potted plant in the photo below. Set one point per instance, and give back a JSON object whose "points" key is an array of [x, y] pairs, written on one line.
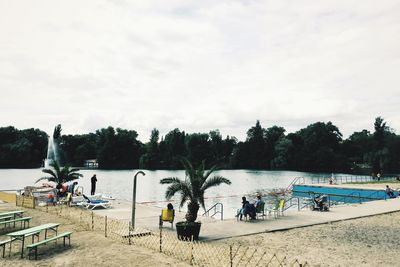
{"points": [[192, 190]]}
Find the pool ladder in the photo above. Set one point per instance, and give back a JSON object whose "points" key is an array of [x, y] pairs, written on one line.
{"points": [[215, 209]]}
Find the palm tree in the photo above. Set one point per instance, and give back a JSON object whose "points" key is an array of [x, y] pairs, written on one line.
{"points": [[192, 189], [59, 175]]}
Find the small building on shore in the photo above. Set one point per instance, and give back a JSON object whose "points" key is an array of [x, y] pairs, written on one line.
{"points": [[91, 164]]}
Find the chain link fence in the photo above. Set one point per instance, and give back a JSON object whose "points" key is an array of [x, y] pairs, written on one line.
{"points": [[195, 253]]}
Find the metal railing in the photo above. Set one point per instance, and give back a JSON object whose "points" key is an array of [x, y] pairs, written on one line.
{"points": [[344, 179], [215, 210], [297, 180], [292, 202]]}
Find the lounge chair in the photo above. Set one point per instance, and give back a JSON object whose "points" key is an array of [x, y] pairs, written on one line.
{"points": [[167, 216], [260, 210], [278, 209], [93, 204]]}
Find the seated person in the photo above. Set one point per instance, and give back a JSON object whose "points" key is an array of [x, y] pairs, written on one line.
{"points": [[259, 203], [71, 188], [249, 209], [389, 191], [241, 211]]}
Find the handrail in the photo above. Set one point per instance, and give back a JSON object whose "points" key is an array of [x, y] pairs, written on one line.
{"points": [[289, 203], [216, 211], [341, 179], [296, 180]]}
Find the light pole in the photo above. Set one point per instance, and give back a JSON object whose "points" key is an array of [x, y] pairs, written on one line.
{"points": [[134, 199]]}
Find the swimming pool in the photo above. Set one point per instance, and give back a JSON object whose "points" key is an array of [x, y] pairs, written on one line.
{"points": [[340, 194]]}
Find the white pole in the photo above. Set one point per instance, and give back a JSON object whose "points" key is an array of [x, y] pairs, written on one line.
{"points": [[134, 199]]}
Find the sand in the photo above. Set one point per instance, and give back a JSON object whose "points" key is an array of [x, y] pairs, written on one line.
{"points": [[372, 241], [87, 248]]}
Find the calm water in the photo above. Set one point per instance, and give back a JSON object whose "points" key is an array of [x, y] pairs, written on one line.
{"points": [[149, 191]]}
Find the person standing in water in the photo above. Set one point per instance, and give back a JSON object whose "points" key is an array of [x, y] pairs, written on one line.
{"points": [[93, 180]]}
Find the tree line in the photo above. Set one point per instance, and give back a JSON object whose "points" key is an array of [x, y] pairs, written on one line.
{"points": [[318, 147]]}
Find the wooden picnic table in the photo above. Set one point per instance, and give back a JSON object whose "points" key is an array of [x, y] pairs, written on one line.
{"points": [[33, 231], [14, 214]]}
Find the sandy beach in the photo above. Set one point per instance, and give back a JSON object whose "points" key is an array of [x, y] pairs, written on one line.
{"points": [[370, 241], [87, 248]]}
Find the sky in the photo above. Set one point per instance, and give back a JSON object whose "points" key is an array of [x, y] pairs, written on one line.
{"points": [[198, 65]]}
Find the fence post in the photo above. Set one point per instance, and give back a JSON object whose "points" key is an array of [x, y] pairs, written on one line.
{"points": [[92, 221], [191, 250], [230, 255], [105, 226], [129, 233], [160, 239]]}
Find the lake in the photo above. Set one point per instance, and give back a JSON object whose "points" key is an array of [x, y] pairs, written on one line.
{"points": [[119, 183]]}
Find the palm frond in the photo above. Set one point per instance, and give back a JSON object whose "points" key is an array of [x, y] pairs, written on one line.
{"points": [[50, 179], [214, 181], [169, 180], [171, 190], [183, 200], [210, 171], [201, 201], [51, 172], [74, 170]]}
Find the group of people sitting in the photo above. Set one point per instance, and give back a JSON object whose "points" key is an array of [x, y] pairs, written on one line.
{"points": [[250, 209], [64, 189]]}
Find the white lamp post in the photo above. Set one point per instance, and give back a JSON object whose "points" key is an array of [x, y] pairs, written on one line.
{"points": [[134, 199]]}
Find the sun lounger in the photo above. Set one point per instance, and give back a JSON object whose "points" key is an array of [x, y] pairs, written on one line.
{"points": [[92, 204]]}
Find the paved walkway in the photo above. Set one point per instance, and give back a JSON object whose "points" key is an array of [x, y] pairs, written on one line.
{"points": [[147, 217]]}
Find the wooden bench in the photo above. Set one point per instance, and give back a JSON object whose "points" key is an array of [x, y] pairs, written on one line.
{"points": [[45, 241], [22, 220], [3, 244], [6, 218]]}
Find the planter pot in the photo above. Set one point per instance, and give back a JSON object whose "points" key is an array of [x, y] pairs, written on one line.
{"points": [[188, 230]]}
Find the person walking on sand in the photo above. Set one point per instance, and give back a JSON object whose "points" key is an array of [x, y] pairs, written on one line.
{"points": [[93, 180]]}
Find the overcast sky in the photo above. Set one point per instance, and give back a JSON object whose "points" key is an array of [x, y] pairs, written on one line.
{"points": [[198, 65]]}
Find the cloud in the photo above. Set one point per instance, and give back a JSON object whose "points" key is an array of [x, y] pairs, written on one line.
{"points": [[198, 66]]}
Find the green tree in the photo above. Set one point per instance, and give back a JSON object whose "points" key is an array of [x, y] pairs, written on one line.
{"points": [[192, 189]]}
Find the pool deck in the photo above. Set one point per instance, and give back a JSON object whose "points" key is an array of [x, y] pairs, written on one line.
{"points": [[214, 229]]}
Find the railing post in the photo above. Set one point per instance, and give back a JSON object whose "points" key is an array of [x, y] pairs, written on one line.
{"points": [[298, 204]]}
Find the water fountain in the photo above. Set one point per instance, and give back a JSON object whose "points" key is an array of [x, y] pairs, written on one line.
{"points": [[52, 152]]}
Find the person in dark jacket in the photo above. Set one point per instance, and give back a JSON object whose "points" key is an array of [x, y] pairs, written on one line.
{"points": [[93, 180]]}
